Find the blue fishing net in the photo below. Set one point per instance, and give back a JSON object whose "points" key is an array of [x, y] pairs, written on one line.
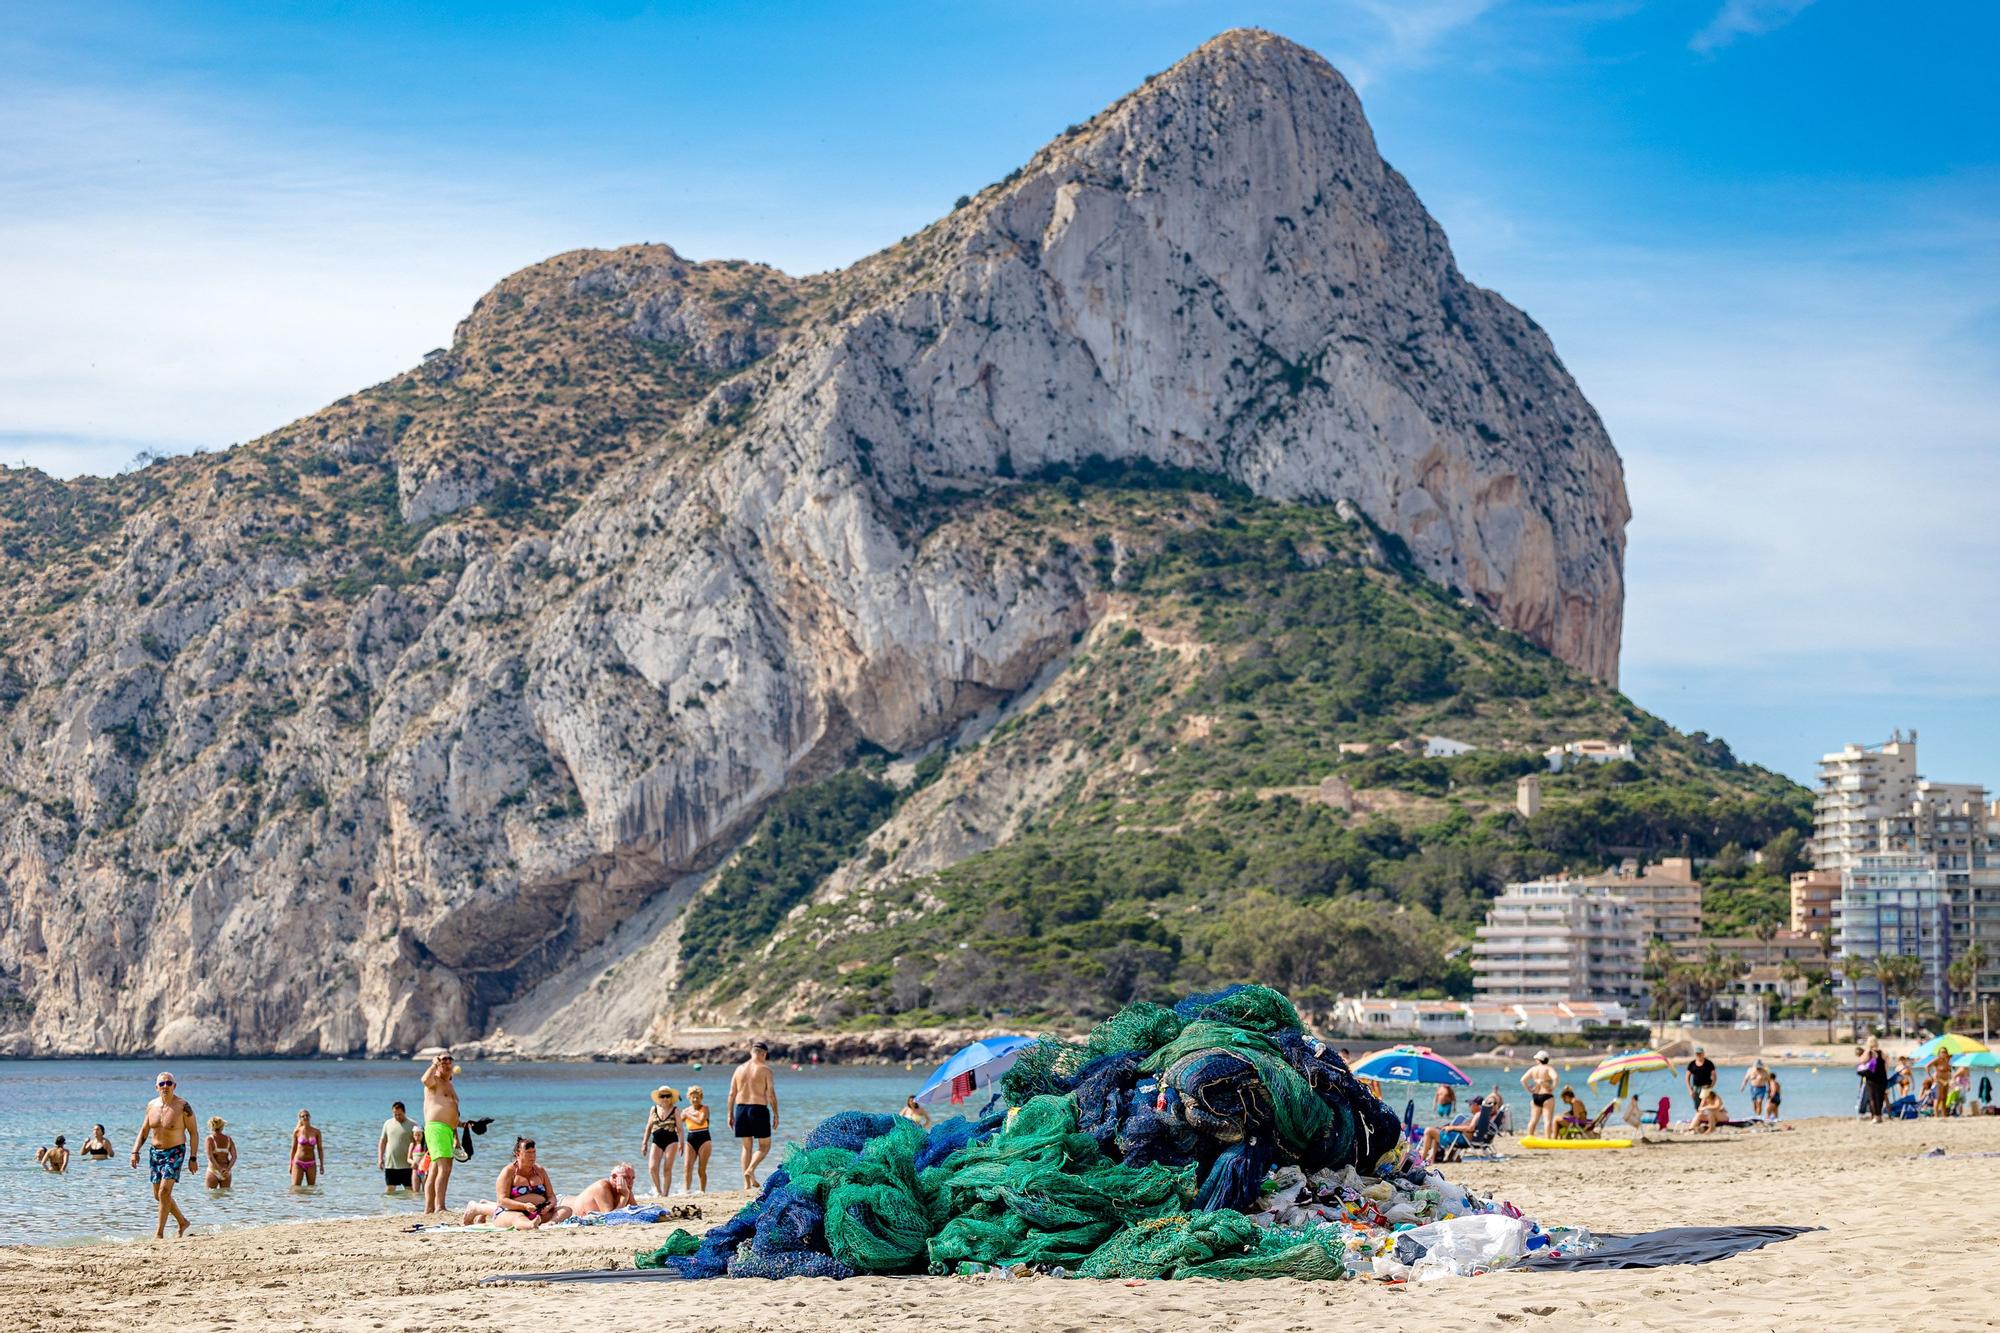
{"points": [[1128, 1153]]}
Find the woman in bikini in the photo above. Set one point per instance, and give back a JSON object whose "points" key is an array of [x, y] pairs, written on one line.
{"points": [[221, 1150], [663, 1139], [694, 1119], [96, 1148], [307, 1152], [524, 1195]]}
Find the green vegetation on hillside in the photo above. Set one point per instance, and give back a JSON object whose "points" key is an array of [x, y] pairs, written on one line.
{"points": [[1198, 849]]}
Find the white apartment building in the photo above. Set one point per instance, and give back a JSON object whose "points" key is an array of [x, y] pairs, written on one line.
{"points": [[1550, 941], [1858, 786], [1665, 894]]}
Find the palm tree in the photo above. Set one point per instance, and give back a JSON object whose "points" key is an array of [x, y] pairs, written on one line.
{"points": [[1902, 979], [1963, 974]]}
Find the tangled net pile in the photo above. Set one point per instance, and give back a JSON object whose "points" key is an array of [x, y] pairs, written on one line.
{"points": [[1214, 1139]]}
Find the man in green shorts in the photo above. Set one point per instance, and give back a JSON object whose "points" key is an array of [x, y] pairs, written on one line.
{"points": [[440, 1129]]}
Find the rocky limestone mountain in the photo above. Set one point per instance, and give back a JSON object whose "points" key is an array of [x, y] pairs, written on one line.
{"points": [[346, 738]]}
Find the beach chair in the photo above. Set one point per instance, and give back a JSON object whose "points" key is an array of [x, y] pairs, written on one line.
{"points": [[1569, 1129]]}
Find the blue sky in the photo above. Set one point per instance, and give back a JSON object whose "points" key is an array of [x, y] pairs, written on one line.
{"points": [[1764, 234]]}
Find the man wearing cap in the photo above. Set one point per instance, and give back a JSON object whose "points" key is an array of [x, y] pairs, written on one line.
{"points": [[1540, 1081], [1700, 1075], [169, 1124], [753, 1110], [440, 1129]]}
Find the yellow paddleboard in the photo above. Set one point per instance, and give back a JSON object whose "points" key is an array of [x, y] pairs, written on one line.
{"points": [[1576, 1143]]}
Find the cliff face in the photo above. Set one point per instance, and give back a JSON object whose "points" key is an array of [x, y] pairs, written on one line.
{"points": [[340, 739]]}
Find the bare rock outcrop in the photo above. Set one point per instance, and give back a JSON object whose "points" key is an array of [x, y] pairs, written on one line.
{"points": [[274, 788]]}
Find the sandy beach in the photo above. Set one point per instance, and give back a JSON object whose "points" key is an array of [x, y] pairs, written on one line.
{"points": [[1908, 1241]]}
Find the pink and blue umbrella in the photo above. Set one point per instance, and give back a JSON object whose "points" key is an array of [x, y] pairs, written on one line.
{"points": [[985, 1061]]}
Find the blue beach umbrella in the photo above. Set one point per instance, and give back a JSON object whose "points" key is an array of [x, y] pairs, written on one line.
{"points": [[1411, 1064], [985, 1060]]}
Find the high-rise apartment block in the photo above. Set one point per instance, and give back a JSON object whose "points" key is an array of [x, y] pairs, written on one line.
{"points": [[1918, 864], [1554, 940]]}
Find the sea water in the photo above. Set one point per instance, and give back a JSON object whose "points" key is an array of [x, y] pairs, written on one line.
{"points": [[584, 1118]]}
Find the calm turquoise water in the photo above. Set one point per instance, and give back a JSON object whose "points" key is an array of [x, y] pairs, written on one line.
{"points": [[583, 1118]]}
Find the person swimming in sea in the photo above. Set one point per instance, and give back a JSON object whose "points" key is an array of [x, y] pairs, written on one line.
{"points": [[221, 1150], [55, 1159], [96, 1148], [306, 1152]]}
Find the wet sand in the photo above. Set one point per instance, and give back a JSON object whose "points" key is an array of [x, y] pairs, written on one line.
{"points": [[1909, 1242]]}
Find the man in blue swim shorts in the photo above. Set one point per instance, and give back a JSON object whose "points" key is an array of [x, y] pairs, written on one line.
{"points": [[169, 1125]]}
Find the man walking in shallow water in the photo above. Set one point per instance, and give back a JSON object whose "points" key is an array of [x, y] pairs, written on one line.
{"points": [[169, 1123], [440, 1129], [753, 1110]]}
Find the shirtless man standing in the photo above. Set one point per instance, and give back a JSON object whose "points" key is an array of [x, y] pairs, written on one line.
{"points": [[1540, 1081], [753, 1110], [440, 1129], [169, 1123]]}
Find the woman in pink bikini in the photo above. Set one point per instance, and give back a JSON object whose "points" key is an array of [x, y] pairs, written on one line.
{"points": [[307, 1153]]}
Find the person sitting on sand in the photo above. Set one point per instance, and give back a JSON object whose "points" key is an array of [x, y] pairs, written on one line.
{"points": [[307, 1153], [1575, 1113], [1463, 1132], [525, 1195], [54, 1159], [96, 1148], [614, 1191], [221, 1150], [912, 1111], [1712, 1113]]}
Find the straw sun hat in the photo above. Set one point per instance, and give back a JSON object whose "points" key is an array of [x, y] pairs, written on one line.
{"points": [[665, 1096]]}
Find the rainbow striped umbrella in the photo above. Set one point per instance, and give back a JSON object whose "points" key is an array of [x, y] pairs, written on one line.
{"points": [[1956, 1043], [1622, 1067]]}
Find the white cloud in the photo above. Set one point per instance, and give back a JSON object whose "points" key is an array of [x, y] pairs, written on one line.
{"points": [[1404, 33], [1745, 18]]}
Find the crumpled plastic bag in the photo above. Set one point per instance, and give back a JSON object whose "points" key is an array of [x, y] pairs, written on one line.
{"points": [[1457, 1247]]}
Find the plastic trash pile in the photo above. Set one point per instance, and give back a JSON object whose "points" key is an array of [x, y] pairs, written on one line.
{"points": [[1407, 1222], [1214, 1139]]}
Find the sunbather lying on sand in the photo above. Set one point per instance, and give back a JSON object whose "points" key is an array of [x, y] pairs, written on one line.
{"points": [[614, 1191]]}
